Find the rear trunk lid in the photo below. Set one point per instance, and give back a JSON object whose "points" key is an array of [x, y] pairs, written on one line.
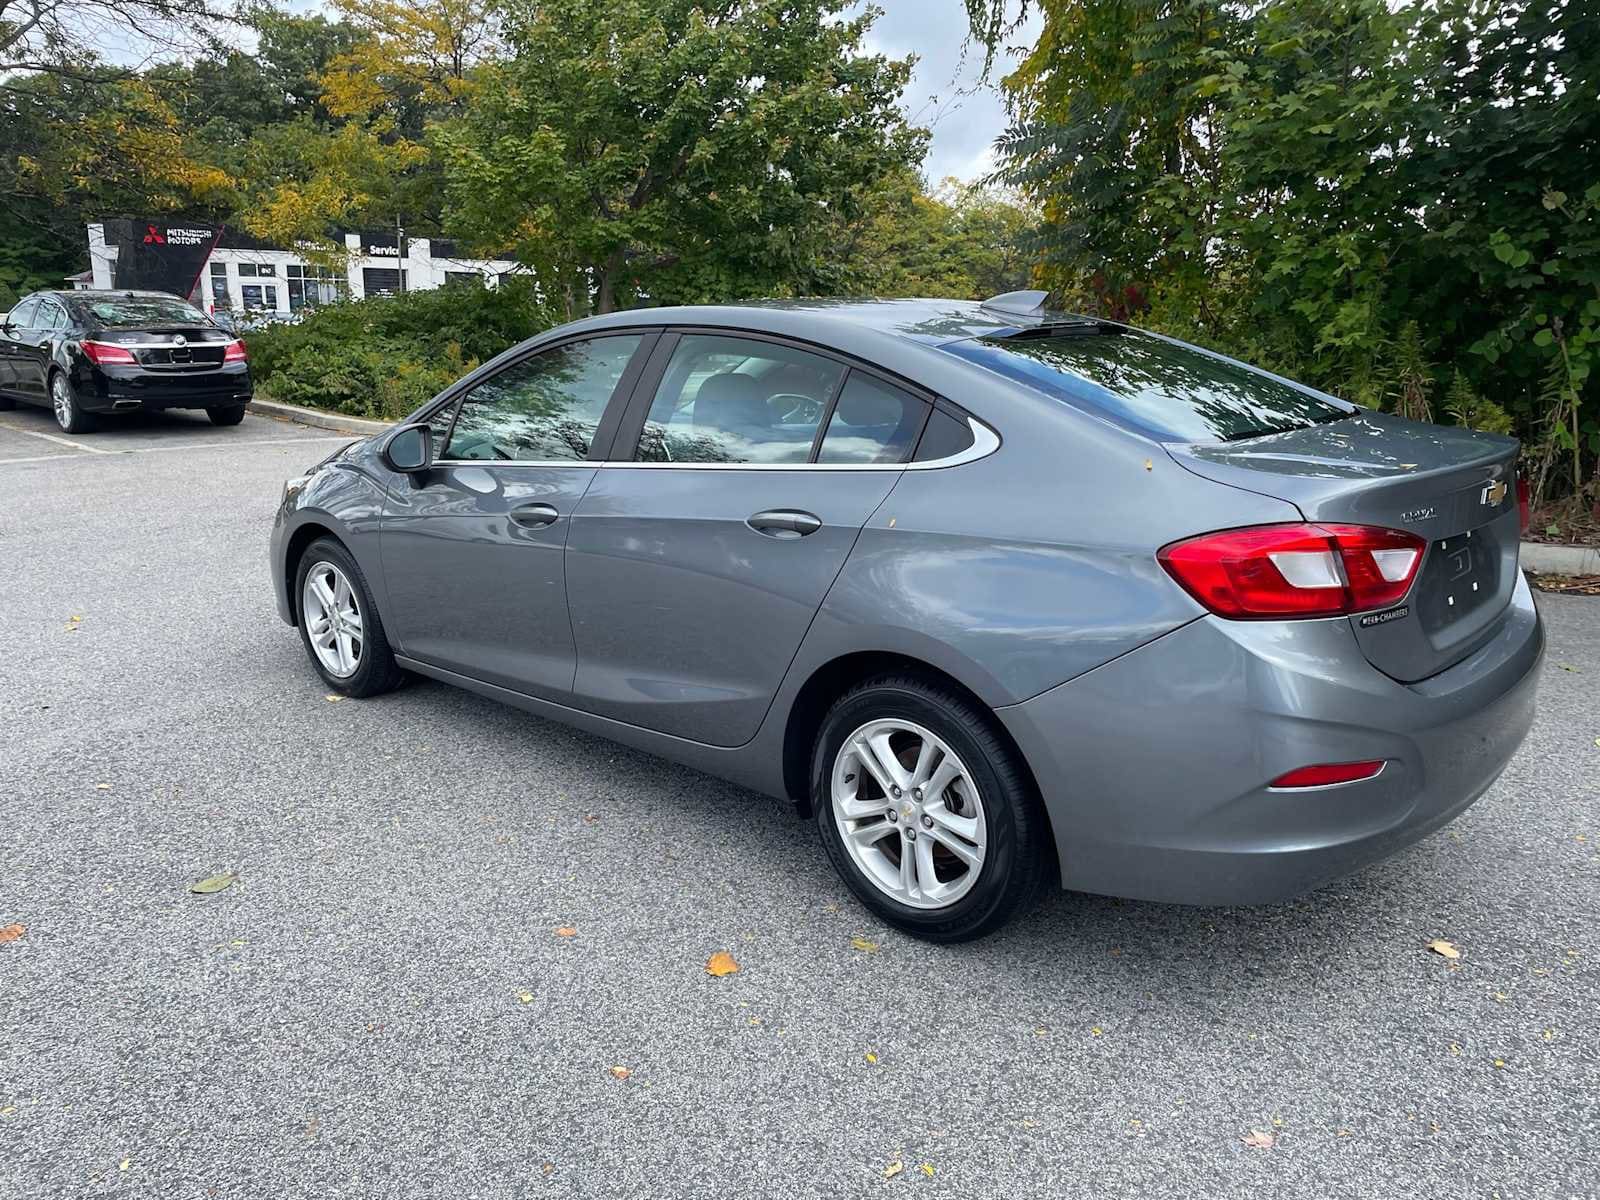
{"points": [[171, 347], [1453, 487]]}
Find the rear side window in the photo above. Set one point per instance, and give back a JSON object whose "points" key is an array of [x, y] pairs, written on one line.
{"points": [[873, 422], [22, 315], [542, 409], [737, 400], [1156, 388]]}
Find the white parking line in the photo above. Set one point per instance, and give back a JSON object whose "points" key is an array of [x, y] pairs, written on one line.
{"points": [[50, 437], [299, 441]]}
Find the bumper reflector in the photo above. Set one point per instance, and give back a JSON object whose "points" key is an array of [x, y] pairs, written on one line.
{"points": [[1324, 774]]}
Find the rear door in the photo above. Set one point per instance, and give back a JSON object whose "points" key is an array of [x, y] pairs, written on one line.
{"points": [[472, 550], [701, 553]]}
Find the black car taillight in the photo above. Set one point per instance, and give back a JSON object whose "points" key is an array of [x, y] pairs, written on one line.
{"points": [[102, 353]]}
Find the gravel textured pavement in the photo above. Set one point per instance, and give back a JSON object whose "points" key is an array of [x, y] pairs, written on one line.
{"points": [[382, 1005]]}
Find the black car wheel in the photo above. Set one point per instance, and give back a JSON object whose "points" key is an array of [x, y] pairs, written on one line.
{"points": [[339, 623], [7, 403], [70, 414], [925, 810]]}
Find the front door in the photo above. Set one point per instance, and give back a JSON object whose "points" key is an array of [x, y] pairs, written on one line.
{"points": [[472, 550], [695, 569], [16, 348]]}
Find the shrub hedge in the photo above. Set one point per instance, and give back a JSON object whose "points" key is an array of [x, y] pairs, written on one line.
{"points": [[385, 356]]}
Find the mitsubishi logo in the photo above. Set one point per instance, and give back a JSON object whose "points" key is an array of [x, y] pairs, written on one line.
{"points": [[152, 237], [1493, 493]]}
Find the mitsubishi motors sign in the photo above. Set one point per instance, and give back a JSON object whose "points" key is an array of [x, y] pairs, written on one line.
{"points": [[161, 256]]}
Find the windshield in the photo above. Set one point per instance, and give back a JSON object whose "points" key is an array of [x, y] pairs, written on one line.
{"points": [[1166, 391], [144, 310]]}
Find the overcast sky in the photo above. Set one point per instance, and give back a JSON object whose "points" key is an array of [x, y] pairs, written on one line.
{"points": [[945, 94]]}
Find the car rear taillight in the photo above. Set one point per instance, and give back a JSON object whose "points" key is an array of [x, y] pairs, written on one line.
{"points": [[1275, 571], [234, 352], [108, 352], [1524, 503], [1326, 774]]}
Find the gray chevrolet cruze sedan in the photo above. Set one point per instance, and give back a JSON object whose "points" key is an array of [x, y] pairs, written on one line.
{"points": [[990, 591]]}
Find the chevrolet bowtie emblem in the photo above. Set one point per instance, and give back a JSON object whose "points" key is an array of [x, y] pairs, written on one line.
{"points": [[1493, 493]]}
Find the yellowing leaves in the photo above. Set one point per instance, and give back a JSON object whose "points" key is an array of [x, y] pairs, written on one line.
{"points": [[10, 933], [212, 884], [893, 1169], [1445, 949], [566, 931], [525, 997], [721, 963], [864, 946], [620, 1072], [1260, 1139]]}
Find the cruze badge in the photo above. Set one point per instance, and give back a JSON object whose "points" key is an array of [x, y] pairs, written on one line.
{"points": [[1493, 493]]}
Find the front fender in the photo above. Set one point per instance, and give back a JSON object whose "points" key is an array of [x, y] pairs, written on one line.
{"points": [[340, 500]]}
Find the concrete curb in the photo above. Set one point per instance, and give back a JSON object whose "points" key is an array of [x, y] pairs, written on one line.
{"points": [[318, 418], [1545, 559]]}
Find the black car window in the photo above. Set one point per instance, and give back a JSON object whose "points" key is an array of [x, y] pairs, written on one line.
{"points": [[21, 317], [544, 408], [872, 422], [51, 316], [1153, 386], [119, 311], [737, 400]]}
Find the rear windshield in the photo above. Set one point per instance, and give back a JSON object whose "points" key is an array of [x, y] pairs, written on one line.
{"points": [[143, 310], [1152, 386]]}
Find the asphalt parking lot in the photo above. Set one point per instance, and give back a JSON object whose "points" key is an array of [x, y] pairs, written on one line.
{"points": [[382, 1005]]}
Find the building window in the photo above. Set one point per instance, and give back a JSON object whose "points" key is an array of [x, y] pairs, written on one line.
{"points": [[311, 286], [258, 296], [247, 270], [219, 285]]}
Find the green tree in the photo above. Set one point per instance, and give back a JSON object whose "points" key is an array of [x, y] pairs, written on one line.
{"points": [[674, 150]]}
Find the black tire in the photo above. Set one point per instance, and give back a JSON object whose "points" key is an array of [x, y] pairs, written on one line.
{"points": [[1018, 841], [376, 671], [74, 420], [231, 415], [7, 403]]}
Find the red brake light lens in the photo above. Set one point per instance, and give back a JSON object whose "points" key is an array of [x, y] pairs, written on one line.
{"points": [[1524, 503], [108, 352], [234, 352], [1275, 571], [1324, 774]]}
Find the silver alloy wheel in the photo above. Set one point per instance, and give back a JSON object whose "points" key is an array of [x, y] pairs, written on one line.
{"points": [[61, 400], [909, 813], [332, 615]]}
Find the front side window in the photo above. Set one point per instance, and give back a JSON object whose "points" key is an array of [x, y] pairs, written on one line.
{"points": [[545, 408], [873, 422], [737, 400]]}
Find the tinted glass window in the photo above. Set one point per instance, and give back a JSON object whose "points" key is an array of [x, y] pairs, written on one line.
{"points": [[945, 437], [142, 310], [22, 315], [737, 400], [544, 408], [873, 422], [51, 316], [1169, 392]]}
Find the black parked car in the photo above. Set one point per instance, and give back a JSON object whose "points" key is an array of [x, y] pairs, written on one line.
{"points": [[88, 352]]}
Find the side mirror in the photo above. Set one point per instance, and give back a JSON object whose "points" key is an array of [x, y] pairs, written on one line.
{"points": [[409, 449]]}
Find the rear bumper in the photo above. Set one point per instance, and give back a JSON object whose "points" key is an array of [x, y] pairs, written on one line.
{"points": [[1154, 766], [133, 389]]}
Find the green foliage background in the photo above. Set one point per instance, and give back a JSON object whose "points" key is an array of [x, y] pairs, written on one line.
{"points": [[1400, 205]]}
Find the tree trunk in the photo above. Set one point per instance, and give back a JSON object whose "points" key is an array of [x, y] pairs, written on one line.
{"points": [[605, 286]]}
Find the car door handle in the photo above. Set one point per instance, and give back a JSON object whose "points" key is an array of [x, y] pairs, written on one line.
{"points": [[784, 523], [532, 516]]}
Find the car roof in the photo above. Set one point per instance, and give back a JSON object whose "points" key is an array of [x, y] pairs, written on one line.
{"points": [[929, 321]]}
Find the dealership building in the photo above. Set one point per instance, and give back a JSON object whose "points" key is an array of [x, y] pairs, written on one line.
{"points": [[218, 267]]}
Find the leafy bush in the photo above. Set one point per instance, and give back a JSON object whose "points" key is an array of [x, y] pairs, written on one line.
{"points": [[386, 356]]}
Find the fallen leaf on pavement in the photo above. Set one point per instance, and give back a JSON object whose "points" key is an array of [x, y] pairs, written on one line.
{"points": [[333, 698], [125, 1164], [871, 1057], [1096, 1031], [1499, 1062], [893, 1169], [926, 1169], [214, 883], [10, 933], [525, 997], [102, 787], [1260, 1139], [721, 963], [1446, 949], [861, 944], [620, 1072], [566, 931]]}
